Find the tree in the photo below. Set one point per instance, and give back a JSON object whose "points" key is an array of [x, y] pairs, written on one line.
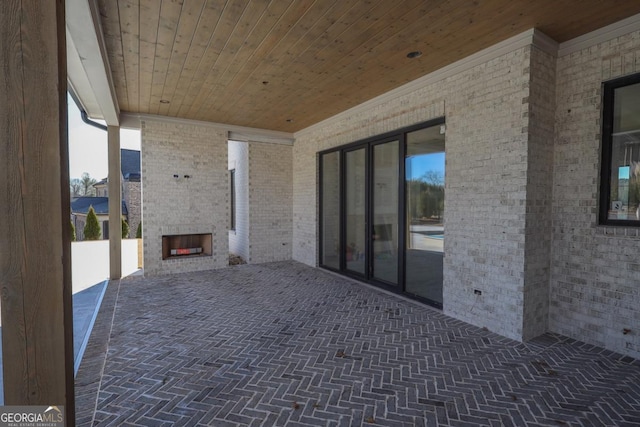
{"points": [[125, 229], [87, 185], [92, 227], [73, 232], [139, 231], [83, 186], [75, 185]]}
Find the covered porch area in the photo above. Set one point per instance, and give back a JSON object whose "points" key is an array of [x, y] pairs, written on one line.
{"points": [[537, 103]]}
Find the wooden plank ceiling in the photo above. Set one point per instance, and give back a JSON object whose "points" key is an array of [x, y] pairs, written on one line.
{"points": [[287, 64]]}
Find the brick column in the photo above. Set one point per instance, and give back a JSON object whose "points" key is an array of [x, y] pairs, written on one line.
{"points": [[538, 230]]}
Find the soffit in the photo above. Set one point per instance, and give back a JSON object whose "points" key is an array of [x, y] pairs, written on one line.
{"points": [[287, 64]]}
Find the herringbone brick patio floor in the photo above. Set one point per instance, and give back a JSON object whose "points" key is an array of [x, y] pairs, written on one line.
{"points": [[285, 344]]}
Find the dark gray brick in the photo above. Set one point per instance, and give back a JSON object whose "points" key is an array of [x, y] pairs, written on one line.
{"points": [[284, 344]]}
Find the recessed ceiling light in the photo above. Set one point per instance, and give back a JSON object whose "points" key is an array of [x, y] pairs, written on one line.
{"points": [[164, 101], [414, 54]]}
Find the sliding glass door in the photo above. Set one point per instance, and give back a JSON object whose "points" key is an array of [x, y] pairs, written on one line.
{"points": [[424, 207], [355, 212], [382, 204], [330, 210], [384, 212]]}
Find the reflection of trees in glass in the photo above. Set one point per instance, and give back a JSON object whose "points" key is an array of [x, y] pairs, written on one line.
{"points": [[433, 178], [426, 196]]}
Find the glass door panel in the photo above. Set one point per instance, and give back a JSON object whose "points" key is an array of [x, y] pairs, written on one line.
{"points": [[355, 219], [330, 216], [424, 205], [385, 212]]}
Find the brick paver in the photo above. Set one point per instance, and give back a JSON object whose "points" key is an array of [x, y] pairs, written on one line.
{"points": [[285, 344]]}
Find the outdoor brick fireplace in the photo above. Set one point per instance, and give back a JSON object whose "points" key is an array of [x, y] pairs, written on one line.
{"points": [[186, 245], [173, 208]]}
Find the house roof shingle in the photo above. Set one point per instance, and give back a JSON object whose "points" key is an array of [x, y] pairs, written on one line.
{"points": [[100, 205]]}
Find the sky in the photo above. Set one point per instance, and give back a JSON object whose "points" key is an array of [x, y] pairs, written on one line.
{"points": [[422, 164], [88, 145]]}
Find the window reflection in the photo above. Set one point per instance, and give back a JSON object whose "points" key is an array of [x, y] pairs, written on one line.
{"points": [[625, 155], [424, 180], [331, 210], [355, 176]]}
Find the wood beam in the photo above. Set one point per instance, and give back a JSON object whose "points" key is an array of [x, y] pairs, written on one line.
{"points": [[35, 249], [115, 203]]}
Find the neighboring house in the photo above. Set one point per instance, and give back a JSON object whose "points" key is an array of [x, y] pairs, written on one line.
{"points": [[101, 188], [80, 208], [131, 187], [131, 190]]}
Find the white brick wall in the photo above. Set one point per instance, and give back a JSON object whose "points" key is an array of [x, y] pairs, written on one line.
{"points": [[199, 204], [270, 202], [264, 201], [239, 160], [540, 115], [595, 270], [486, 182]]}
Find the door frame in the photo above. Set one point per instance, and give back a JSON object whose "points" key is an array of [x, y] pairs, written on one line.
{"points": [[368, 144]]}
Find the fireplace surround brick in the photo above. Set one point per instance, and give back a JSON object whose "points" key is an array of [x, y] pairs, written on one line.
{"points": [[184, 191]]}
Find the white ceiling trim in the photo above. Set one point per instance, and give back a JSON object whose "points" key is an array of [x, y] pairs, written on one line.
{"points": [[88, 70], [249, 136], [545, 43], [80, 82], [236, 133], [601, 35]]}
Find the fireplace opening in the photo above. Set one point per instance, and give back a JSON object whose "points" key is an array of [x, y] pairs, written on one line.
{"points": [[186, 245]]}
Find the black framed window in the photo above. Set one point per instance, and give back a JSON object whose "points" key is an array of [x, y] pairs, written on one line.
{"points": [[620, 174], [232, 192]]}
